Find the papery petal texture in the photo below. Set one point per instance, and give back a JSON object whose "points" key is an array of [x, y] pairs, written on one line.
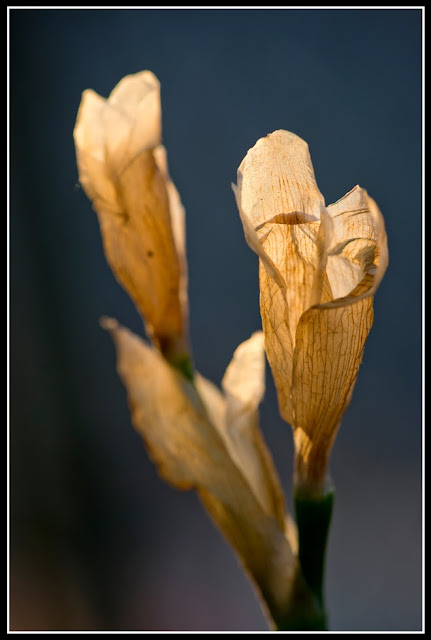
{"points": [[328, 352], [244, 387], [279, 196], [319, 269], [123, 169], [191, 452]]}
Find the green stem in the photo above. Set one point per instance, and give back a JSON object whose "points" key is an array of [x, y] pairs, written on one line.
{"points": [[313, 518], [311, 622], [183, 363], [303, 612]]}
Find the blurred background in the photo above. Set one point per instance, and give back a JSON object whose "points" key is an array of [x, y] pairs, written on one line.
{"points": [[97, 541]]}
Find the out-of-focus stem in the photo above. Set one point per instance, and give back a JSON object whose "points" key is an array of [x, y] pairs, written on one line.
{"points": [[177, 352], [303, 612]]}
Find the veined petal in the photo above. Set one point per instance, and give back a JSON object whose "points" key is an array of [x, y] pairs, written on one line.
{"points": [[190, 453], [280, 198], [132, 119], [280, 206], [244, 386], [278, 339], [140, 247], [140, 213], [357, 250], [328, 352], [278, 180], [330, 336], [319, 269], [254, 242]]}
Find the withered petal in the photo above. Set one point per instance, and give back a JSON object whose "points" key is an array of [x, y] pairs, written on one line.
{"points": [[357, 249], [140, 213], [280, 198], [178, 226], [280, 207], [328, 352], [319, 269], [132, 119], [244, 387], [190, 453], [89, 140]]}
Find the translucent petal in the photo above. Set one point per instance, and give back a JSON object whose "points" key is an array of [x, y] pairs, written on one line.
{"points": [[190, 453], [244, 387], [89, 140], [357, 250], [328, 352], [132, 118], [140, 213], [280, 206]]}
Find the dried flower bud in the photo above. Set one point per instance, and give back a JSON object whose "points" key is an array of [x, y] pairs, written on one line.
{"points": [[319, 269], [123, 169], [201, 439]]}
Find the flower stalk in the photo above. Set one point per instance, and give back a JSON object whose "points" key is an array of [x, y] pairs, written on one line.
{"points": [[313, 519], [319, 268]]}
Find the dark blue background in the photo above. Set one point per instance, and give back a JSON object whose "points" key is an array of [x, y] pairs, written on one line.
{"points": [[97, 540]]}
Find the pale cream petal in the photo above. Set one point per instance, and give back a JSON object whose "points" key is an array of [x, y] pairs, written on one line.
{"points": [[132, 119], [319, 269], [215, 404], [328, 352], [330, 336], [244, 379], [280, 198], [167, 412], [235, 415], [244, 387], [88, 132], [89, 140], [254, 242], [189, 452], [136, 204], [278, 180], [357, 252], [321, 290], [131, 95], [281, 206], [381, 257], [273, 309]]}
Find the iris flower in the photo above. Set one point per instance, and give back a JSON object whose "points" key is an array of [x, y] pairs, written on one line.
{"points": [[123, 169], [200, 437], [319, 270]]}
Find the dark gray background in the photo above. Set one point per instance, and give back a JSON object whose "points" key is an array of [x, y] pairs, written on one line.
{"points": [[97, 540]]}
